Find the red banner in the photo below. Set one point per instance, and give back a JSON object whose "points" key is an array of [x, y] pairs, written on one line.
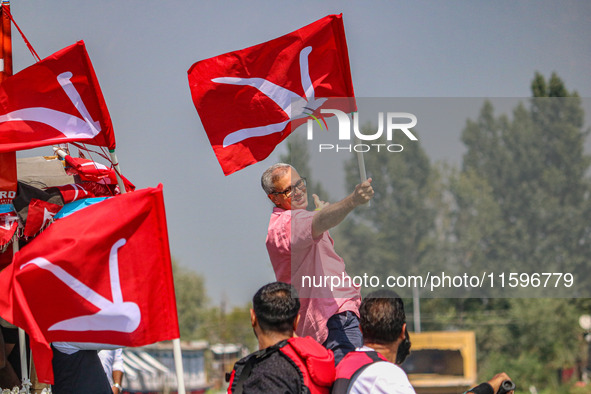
{"points": [[8, 177], [92, 171], [250, 100], [54, 101], [107, 270]]}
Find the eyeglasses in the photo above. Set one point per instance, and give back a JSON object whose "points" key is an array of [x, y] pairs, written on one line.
{"points": [[299, 185]]}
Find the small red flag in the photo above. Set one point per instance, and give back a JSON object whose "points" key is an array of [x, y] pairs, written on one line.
{"points": [[54, 101], [92, 171], [40, 215], [107, 269], [250, 100], [8, 226]]}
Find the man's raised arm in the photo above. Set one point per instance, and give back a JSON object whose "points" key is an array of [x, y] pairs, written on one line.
{"points": [[330, 215]]}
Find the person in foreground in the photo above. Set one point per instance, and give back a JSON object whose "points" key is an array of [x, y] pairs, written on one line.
{"points": [[301, 249], [78, 370], [374, 368], [284, 363], [112, 361]]}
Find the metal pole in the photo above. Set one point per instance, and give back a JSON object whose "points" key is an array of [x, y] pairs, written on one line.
{"points": [[178, 364], [117, 171], [22, 342], [361, 162], [416, 309]]}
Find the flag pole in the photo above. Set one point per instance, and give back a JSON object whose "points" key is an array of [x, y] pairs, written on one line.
{"points": [[5, 72], [176, 343], [22, 342], [8, 175], [178, 364], [117, 171], [360, 160]]}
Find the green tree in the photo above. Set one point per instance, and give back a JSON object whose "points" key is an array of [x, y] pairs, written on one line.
{"points": [[191, 300], [234, 326], [521, 204], [533, 169], [396, 233]]}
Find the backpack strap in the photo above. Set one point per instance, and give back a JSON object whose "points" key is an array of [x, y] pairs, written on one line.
{"points": [[249, 365], [375, 357], [343, 384], [244, 374]]}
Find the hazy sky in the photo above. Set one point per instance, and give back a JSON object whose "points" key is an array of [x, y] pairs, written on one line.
{"points": [[141, 51]]}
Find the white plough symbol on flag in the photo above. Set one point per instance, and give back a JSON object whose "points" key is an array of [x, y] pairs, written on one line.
{"points": [[291, 103], [8, 220], [117, 315], [69, 125]]}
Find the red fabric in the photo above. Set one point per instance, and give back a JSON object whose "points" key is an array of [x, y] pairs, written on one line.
{"points": [[349, 365], [315, 362], [8, 225], [89, 170], [35, 110], [39, 216], [228, 107], [355, 360], [73, 192], [8, 177], [5, 258], [78, 191], [118, 251]]}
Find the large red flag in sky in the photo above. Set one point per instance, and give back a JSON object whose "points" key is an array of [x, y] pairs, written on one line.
{"points": [[250, 100], [101, 275], [54, 101]]}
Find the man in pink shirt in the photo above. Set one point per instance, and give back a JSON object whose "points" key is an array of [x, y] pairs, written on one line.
{"points": [[302, 254]]}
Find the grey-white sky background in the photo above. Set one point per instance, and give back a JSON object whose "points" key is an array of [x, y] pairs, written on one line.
{"points": [[141, 51]]}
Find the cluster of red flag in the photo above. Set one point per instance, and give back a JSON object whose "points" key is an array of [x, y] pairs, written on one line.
{"points": [[107, 267], [102, 274], [92, 171], [107, 272]]}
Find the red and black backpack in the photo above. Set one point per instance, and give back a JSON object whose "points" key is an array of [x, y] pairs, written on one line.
{"points": [[351, 366], [314, 364]]}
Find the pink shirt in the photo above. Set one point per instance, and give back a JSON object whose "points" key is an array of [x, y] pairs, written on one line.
{"points": [[313, 268]]}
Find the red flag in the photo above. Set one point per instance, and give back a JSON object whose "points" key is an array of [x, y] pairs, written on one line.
{"points": [[8, 226], [8, 177], [101, 275], [78, 191], [54, 101], [39, 215], [92, 171], [250, 100]]}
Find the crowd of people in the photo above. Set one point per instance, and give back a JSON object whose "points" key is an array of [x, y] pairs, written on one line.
{"points": [[364, 341], [287, 363], [311, 339]]}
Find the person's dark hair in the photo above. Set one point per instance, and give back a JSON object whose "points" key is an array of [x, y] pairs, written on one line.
{"points": [[381, 317], [276, 306]]}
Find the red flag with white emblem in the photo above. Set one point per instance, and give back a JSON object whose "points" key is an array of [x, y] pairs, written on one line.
{"points": [[107, 269], [40, 215], [54, 101], [8, 226], [250, 100], [92, 171]]}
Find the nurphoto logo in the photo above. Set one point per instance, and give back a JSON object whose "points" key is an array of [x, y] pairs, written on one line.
{"points": [[402, 121]]}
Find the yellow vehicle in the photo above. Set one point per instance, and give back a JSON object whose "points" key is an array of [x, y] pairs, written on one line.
{"points": [[442, 362]]}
